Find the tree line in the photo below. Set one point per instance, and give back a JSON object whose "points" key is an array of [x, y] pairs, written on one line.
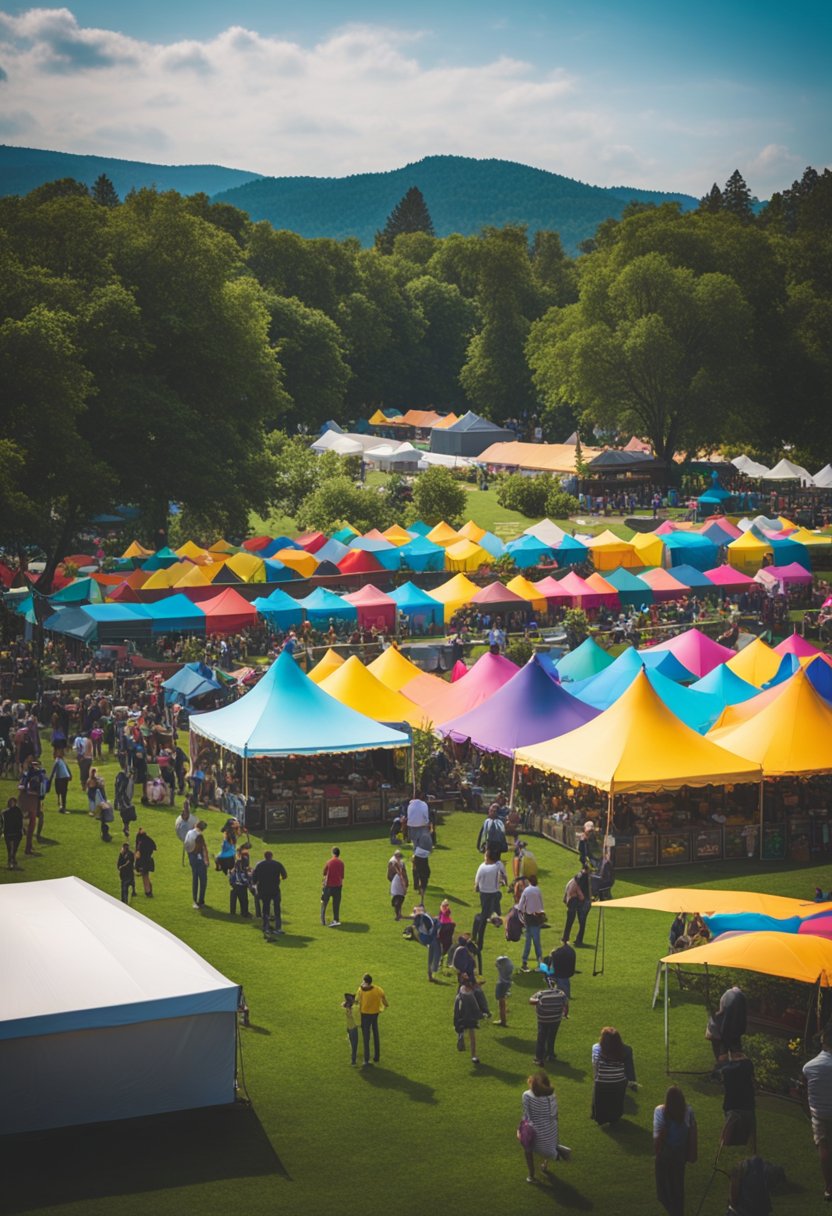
{"points": [[162, 347]]}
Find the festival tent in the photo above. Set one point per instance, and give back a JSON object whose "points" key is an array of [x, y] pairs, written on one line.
{"points": [[786, 470], [222, 547], [580, 593], [691, 549], [529, 551], [393, 669], [443, 534], [281, 610], [747, 552], [529, 708], [277, 572], [698, 710], [804, 957], [78, 623], [96, 987], [693, 578], [789, 736], [469, 436], [709, 902], [332, 551], [785, 551], [345, 534], [175, 614], [584, 661], [359, 561], [667, 663], [419, 528], [161, 559], [489, 673], [749, 467], [422, 555], [374, 608], [555, 595], [550, 533], [195, 576], [797, 645], [648, 548], [725, 525], [718, 535], [631, 590], [124, 594], [454, 594], [304, 564], [464, 555], [325, 666], [699, 653], [81, 591], [248, 567], [420, 608], [353, 685], [607, 593], [492, 544], [195, 553], [311, 542], [287, 714], [571, 552], [472, 531], [664, 585], [397, 535], [338, 442], [638, 744], [609, 551], [190, 682], [386, 555], [164, 579], [793, 575], [729, 579], [136, 550], [496, 598], [522, 586], [255, 544], [722, 682], [227, 612], [322, 605], [755, 663], [823, 477]]}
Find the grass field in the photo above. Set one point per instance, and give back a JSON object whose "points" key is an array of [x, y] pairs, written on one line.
{"points": [[426, 1126]]}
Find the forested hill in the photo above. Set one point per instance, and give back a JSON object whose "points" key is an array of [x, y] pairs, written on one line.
{"points": [[462, 194], [22, 169]]}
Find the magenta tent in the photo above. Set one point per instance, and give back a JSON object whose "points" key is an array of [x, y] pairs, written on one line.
{"points": [[489, 673], [729, 578], [498, 598], [696, 651], [580, 593], [458, 671], [530, 708], [374, 608], [793, 575], [798, 646], [553, 590]]}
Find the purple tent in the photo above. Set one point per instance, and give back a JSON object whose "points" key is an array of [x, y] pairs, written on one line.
{"points": [[530, 708]]}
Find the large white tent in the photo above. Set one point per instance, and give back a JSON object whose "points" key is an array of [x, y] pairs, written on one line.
{"points": [[104, 1014], [786, 470]]}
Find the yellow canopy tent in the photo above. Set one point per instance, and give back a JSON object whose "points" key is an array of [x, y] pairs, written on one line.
{"points": [[222, 546], [162, 579], [378, 419], [393, 669], [248, 567], [298, 559], [790, 736], [194, 553], [804, 537], [397, 535], [648, 548], [610, 551], [708, 902], [757, 663], [523, 586], [455, 594], [443, 534], [325, 666], [466, 555], [353, 685], [746, 553], [196, 576], [472, 531], [805, 957], [136, 550], [445, 422]]}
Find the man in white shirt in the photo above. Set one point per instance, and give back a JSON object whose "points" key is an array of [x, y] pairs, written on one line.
{"points": [[531, 909], [184, 824], [418, 815], [491, 875], [189, 839], [818, 1074]]}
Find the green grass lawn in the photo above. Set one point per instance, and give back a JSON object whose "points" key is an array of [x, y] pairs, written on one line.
{"points": [[426, 1126]]}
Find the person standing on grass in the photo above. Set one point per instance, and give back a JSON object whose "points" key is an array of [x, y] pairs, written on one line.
{"points": [[578, 902], [12, 831], [531, 910], [145, 865], [348, 1006], [199, 858], [239, 879], [540, 1109], [370, 1000], [818, 1074], [505, 971], [467, 1015], [397, 873], [492, 834], [267, 877], [490, 876], [60, 778], [552, 1007], [125, 862], [421, 863], [562, 963], [418, 817], [675, 1144], [333, 876]]}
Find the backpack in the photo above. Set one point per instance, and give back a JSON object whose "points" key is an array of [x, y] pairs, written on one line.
{"points": [[427, 933], [495, 833], [754, 1198], [391, 870], [514, 926]]}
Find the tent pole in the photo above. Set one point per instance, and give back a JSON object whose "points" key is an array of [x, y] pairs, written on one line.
{"points": [[513, 783], [666, 1025], [413, 763], [610, 812], [762, 812]]}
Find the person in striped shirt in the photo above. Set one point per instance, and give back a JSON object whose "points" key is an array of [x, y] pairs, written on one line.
{"points": [[552, 1007]]}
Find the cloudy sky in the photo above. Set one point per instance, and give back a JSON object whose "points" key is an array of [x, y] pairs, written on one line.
{"points": [[642, 93]]}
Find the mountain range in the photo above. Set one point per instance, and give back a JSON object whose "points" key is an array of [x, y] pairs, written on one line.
{"points": [[463, 194]]}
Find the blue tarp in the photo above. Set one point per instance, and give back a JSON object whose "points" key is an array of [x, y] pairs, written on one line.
{"points": [[287, 714], [321, 605]]}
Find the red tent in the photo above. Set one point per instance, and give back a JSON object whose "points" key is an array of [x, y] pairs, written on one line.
{"points": [[358, 561], [312, 541], [255, 543], [124, 594], [374, 608], [227, 612]]}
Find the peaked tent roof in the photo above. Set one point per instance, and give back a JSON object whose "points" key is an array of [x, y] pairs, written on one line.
{"points": [[523, 587], [472, 531], [322, 603], [353, 685], [800, 646], [81, 591], [803, 957], [175, 614], [699, 653], [757, 663], [649, 547], [464, 555], [393, 669], [584, 661], [454, 594], [279, 609], [421, 554], [529, 708], [443, 534], [490, 672], [287, 714], [303, 563], [413, 601], [790, 736], [727, 576], [359, 561], [638, 744], [698, 710], [786, 470], [496, 595], [227, 612], [189, 682], [630, 588], [325, 666], [546, 531], [727, 685]]}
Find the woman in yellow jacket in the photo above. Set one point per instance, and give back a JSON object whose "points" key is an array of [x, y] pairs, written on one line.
{"points": [[370, 1000]]}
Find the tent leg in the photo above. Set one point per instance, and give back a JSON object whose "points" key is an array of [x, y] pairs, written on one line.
{"points": [[600, 936], [610, 812], [413, 764], [762, 812], [666, 1024], [513, 784]]}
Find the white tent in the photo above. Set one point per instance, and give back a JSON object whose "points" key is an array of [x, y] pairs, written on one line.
{"points": [[823, 478], [444, 460], [761, 523], [749, 467], [104, 1014], [332, 441], [546, 531], [785, 470]]}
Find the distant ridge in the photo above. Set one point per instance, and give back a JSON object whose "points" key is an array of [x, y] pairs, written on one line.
{"points": [[23, 169], [463, 194]]}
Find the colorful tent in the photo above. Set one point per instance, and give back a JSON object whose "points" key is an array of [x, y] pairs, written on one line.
{"points": [[353, 685], [707, 901], [691, 549], [609, 551], [664, 585], [311, 542], [455, 594], [570, 552], [254, 544], [189, 683], [248, 567], [529, 551], [393, 669], [522, 586], [227, 612], [464, 555], [195, 553], [718, 535], [791, 735], [168, 576], [699, 653], [529, 708], [698, 710], [550, 533], [638, 745], [287, 714], [648, 548], [160, 560], [136, 550], [421, 609], [793, 575], [322, 605], [729, 579], [175, 614], [551, 590], [489, 673], [755, 663], [221, 547], [397, 535], [580, 593], [325, 666], [584, 661], [805, 958], [722, 682], [333, 551], [81, 591], [606, 592], [345, 534], [421, 554], [797, 645], [632, 591], [497, 598], [443, 534], [746, 553], [693, 579], [472, 531], [303, 563], [375, 609], [281, 610], [359, 561]]}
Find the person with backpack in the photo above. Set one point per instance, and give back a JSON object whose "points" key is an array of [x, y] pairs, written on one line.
{"points": [[467, 1015], [675, 1144], [531, 912], [426, 931], [397, 877], [239, 879], [492, 834]]}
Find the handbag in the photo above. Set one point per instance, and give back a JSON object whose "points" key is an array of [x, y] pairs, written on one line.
{"points": [[525, 1132]]}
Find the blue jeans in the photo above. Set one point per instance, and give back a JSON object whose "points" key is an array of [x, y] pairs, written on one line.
{"points": [[565, 984], [434, 956], [199, 874], [584, 910], [369, 1023], [532, 939]]}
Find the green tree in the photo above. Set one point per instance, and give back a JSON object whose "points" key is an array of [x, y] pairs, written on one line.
{"points": [[410, 214], [437, 495], [524, 494], [559, 504], [736, 198], [311, 350], [555, 275], [449, 321], [338, 500], [713, 201], [104, 192]]}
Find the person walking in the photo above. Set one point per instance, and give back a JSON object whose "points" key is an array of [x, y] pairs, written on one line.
{"points": [[818, 1074], [348, 1005], [31, 791], [267, 877], [418, 816], [60, 777], [12, 831], [505, 971], [145, 865], [562, 963], [371, 999], [333, 876], [467, 1015], [578, 902], [531, 911], [239, 879], [675, 1145], [199, 858], [421, 863], [125, 863], [552, 1007], [397, 874], [540, 1114], [492, 834]]}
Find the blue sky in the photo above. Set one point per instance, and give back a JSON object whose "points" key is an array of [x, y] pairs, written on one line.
{"points": [[645, 94]]}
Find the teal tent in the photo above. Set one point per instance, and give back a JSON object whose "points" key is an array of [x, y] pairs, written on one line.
{"points": [[421, 609], [632, 590], [281, 611], [322, 605], [584, 661], [175, 614]]}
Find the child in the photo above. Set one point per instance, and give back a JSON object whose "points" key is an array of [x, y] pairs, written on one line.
{"points": [[352, 1030], [505, 970]]}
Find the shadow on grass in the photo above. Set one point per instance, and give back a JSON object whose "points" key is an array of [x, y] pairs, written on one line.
{"points": [[526, 1046], [497, 1074], [291, 941], [353, 926], [631, 1138], [95, 1161], [385, 1078], [252, 1028], [564, 1192], [561, 1068]]}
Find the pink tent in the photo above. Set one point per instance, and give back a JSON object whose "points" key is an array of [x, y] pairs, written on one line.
{"points": [[665, 586], [607, 594], [490, 672], [797, 646], [554, 591], [580, 593], [374, 608], [458, 671], [793, 575], [727, 576], [699, 653], [312, 541], [723, 522], [498, 598]]}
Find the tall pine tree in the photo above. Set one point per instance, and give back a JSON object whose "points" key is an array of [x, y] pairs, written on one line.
{"points": [[713, 200], [736, 197], [104, 192], [410, 214]]}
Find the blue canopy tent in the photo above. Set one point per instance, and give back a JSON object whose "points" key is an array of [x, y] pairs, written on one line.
{"points": [[690, 549], [420, 528], [282, 611], [724, 683], [191, 682], [332, 551], [73, 623], [492, 544], [344, 535], [656, 660], [819, 673], [385, 552], [421, 609], [276, 572], [529, 551], [118, 623], [81, 591], [571, 552], [160, 560], [175, 614], [585, 661], [717, 535], [421, 555], [697, 710], [787, 551], [694, 578], [632, 590], [274, 546], [322, 605]]}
